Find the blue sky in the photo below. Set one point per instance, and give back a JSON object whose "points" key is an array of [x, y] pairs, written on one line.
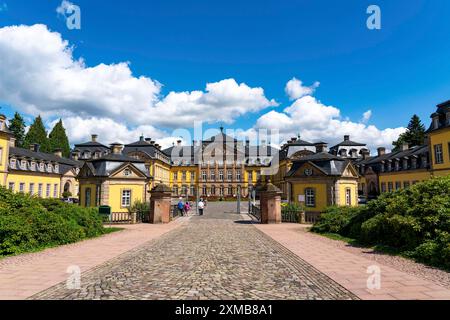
{"points": [[396, 71]]}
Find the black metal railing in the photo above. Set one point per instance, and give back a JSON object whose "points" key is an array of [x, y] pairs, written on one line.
{"points": [[312, 217], [292, 216], [255, 211]]}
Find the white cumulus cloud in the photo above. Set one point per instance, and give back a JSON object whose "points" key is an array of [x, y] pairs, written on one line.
{"points": [[295, 89]]}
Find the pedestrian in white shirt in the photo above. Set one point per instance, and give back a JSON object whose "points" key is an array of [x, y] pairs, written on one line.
{"points": [[201, 206]]}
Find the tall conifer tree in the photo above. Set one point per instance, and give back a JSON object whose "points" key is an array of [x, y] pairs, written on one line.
{"points": [[58, 139], [37, 134], [17, 126], [414, 135]]}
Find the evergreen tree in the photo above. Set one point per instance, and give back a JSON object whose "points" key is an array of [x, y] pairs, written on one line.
{"points": [[17, 126], [414, 135], [58, 139], [37, 134]]}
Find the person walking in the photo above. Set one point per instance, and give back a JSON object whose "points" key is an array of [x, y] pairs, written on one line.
{"points": [[180, 207], [201, 206], [187, 208]]}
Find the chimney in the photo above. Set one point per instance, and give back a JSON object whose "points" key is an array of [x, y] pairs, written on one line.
{"points": [[12, 142], [381, 151], [178, 142], [94, 137], [148, 140], [116, 148], [365, 154], [321, 147], [2, 122], [34, 147], [346, 138], [405, 146], [58, 152]]}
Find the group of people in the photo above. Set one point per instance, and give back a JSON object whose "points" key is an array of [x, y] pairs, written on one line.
{"points": [[185, 207]]}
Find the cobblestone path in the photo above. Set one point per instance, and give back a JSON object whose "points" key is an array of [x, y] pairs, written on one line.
{"points": [[216, 256]]}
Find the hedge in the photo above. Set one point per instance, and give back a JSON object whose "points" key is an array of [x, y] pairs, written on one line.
{"points": [[28, 223], [413, 221]]}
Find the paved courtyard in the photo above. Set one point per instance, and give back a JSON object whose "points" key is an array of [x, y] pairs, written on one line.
{"points": [[217, 256]]}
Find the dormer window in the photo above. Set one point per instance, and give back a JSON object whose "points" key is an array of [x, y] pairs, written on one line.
{"points": [[41, 167], [33, 165], [49, 167], [12, 163], [86, 155], [56, 168], [23, 164], [127, 172]]}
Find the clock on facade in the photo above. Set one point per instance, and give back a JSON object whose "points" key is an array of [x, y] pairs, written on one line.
{"points": [[308, 172]]}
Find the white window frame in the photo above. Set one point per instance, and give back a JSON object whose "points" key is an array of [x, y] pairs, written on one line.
{"points": [[12, 163], [230, 175], [348, 196], [22, 187], [125, 198], [310, 197], [48, 190], [55, 190], [11, 186], [40, 187], [438, 154], [31, 188]]}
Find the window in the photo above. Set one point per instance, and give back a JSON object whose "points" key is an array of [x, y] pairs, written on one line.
{"points": [[192, 176], [22, 187], [175, 190], [250, 176], [348, 196], [11, 186], [87, 197], [204, 190], [47, 190], [229, 175], [204, 175], [238, 175], [31, 188], [213, 190], [184, 190], [55, 190], [1, 155], [175, 176], [192, 190], [183, 175], [390, 186], [40, 190], [230, 190], [126, 198], [220, 175], [258, 176], [438, 156], [49, 167], [23, 164], [56, 168], [221, 191], [12, 163], [415, 182], [448, 149], [398, 185], [310, 197], [406, 184], [41, 167], [383, 187], [213, 175]]}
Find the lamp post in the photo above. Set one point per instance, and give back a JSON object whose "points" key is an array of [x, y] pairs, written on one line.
{"points": [[238, 199]]}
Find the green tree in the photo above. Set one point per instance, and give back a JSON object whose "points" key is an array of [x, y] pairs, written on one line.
{"points": [[17, 126], [37, 134], [58, 139], [414, 135]]}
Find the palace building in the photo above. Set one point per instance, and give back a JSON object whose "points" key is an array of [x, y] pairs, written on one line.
{"points": [[222, 167], [29, 170]]}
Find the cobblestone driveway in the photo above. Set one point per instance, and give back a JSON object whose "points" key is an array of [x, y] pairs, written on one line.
{"points": [[217, 256]]}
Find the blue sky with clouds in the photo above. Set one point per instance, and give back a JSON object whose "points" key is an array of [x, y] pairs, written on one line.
{"points": [[184, 45]]}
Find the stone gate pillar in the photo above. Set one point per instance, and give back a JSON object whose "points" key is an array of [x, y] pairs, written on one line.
{"points": [[270, 200], [160, 204]]}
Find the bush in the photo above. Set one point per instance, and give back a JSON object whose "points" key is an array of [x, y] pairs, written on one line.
{"points": [[335, 219], [28, 223], [414, 221]]}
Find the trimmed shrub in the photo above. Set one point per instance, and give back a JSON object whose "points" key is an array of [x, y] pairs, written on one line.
{"points": [[414, 221], [28, 223]]}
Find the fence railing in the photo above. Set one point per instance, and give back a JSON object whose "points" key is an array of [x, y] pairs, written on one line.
{"points": [[255, 211], [120, 217], [312, 217], [292, 216]]}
